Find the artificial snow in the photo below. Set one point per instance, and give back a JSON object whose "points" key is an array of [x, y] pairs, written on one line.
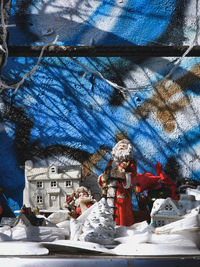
{"points": [[27, 232], [58, 216], [95, 232], [20, 248]]}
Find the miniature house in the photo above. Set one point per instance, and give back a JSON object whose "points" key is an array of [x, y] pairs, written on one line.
{"points": [[166, 211], [47, 187]]}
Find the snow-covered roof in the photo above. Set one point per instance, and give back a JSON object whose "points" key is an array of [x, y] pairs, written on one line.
{"points": [[52, 172], [57, 176], [54, 160]]}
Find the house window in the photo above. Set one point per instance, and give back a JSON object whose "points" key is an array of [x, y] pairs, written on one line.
{"points": [[39, 184], [160, 223], [53, 169], [68, 183], [39, 199], [53, 184], [168, 207]]}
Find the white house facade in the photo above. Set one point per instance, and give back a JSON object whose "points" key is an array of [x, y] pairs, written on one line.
{"points": [[47, 187]]}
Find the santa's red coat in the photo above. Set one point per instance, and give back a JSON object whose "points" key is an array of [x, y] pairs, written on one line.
{"points": [[148, 181]]}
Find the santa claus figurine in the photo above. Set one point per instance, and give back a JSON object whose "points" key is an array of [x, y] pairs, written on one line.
{"points": [[116, 182], [120, 178], [79, 201]]}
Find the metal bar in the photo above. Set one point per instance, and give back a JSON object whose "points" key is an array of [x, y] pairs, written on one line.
{"points": [[103, 51]]}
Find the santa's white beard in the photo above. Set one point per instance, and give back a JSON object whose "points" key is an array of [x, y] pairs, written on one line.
{"points": [[119, 156]]}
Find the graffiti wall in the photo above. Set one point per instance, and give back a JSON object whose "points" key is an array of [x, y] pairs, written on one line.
{"points": [[64, 112]]}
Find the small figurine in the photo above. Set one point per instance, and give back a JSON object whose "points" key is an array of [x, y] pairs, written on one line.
{"points": [[79, 201]]}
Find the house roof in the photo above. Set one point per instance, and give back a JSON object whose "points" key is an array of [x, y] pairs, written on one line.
{"points": [[41, 173]]}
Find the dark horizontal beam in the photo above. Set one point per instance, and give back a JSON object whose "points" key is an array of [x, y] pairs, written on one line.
{"points": [[103, 51]]}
